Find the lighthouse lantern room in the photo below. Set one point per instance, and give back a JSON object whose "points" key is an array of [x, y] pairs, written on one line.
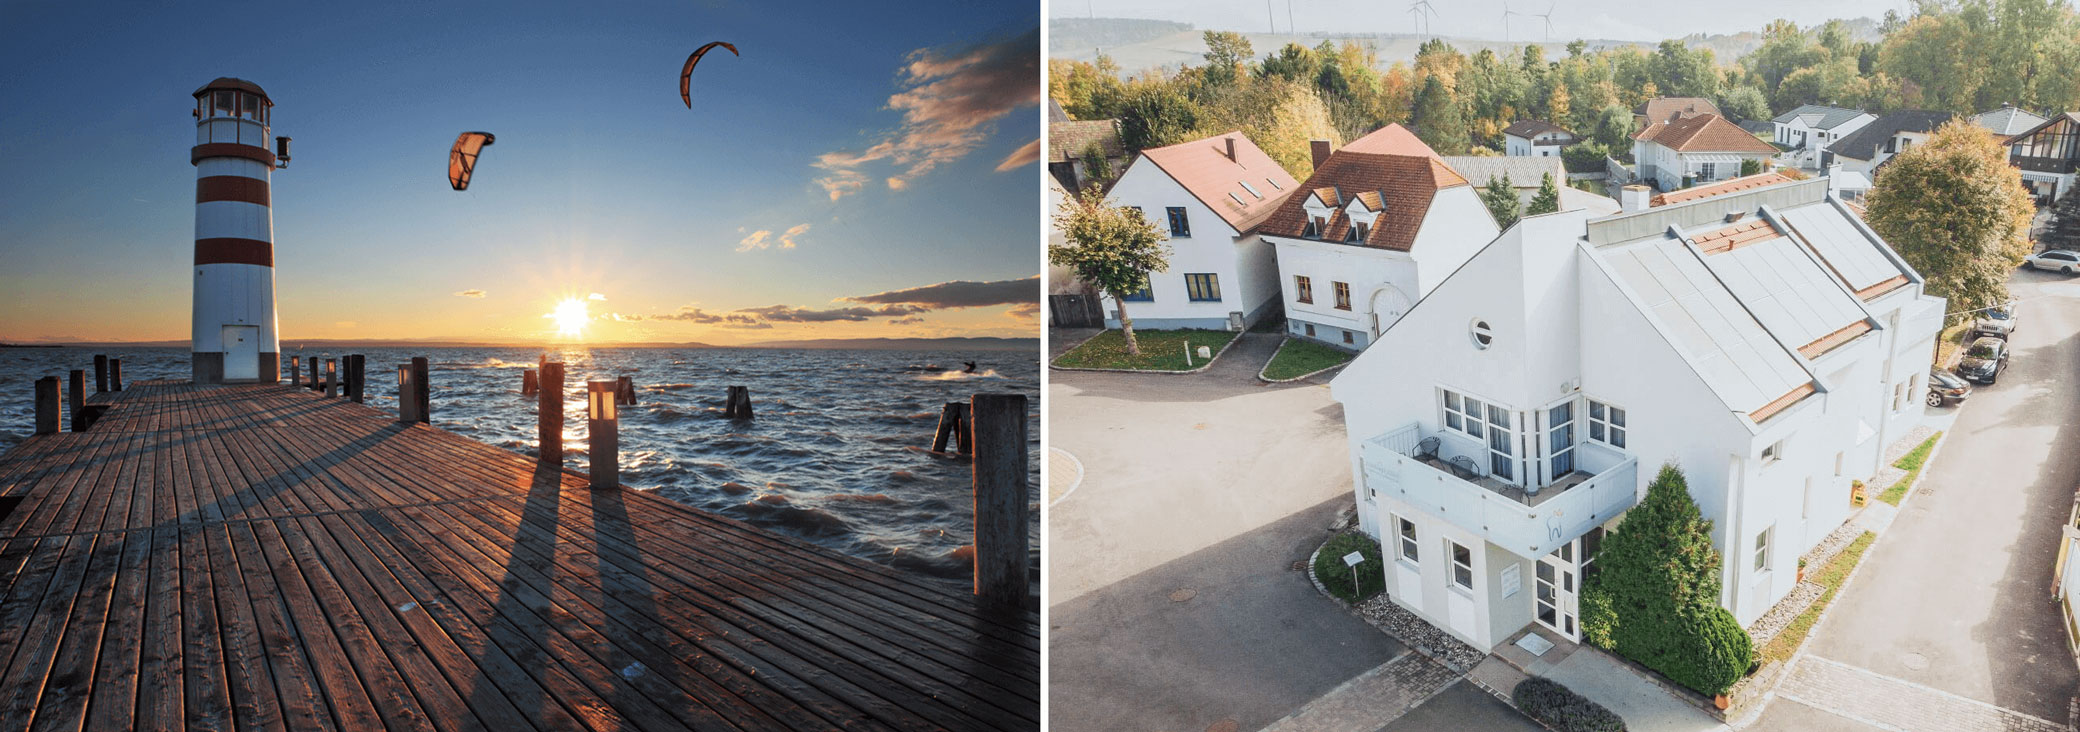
{"points": [[234, 338]]}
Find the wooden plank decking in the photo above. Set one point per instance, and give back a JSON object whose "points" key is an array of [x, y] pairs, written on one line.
{"points": [[259, 557]]}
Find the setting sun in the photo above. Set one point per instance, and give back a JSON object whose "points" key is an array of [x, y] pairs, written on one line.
{"points": [[570, 317]]}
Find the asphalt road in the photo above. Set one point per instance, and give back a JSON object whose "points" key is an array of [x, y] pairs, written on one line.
{"points": [[1956, 596]]}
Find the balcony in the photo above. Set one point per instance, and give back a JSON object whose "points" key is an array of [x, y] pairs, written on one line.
{"points": [[1604, 484]]}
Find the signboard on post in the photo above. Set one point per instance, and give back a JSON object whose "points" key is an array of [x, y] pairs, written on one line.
{"points": [[1352, 560]]}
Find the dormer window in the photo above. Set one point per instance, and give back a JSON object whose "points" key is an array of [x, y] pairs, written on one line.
{"points": [[1316, 226], [1359, 231]]}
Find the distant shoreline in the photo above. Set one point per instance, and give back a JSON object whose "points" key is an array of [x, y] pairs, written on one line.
{"points": [[871, 344]]}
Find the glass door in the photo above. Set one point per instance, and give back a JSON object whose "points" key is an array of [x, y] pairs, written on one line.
{"points": [[1554, 600], [1559, 442]]}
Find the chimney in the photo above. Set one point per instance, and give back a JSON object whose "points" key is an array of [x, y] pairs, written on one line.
{"points": [[1634, 197], [1320, 150], [1231, 148]]}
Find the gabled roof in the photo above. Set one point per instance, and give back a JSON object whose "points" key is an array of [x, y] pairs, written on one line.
{"points": [[2055, 119], [1733, 185], [1204, 168], [1403, 184], [1524, 171], [1392, 139], [1054, 112], [2008, 120], [1529, 128], [1850, 253], [1820, 117], [1664, 109], [1066, 141], [1784, 287], [1703, 133], [1865, 142]]}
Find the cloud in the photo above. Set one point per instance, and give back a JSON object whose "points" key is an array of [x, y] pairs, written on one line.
{"points": [[793, 314], [596, 296], [697, 315], [950, 102], [764, 238], [787, 237], [962, 294], [475, 294], [906, 321], [1024, 310], [1022, 157], [757, 240]]}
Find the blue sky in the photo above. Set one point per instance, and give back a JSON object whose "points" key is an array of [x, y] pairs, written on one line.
{"points": [[601, 181]]}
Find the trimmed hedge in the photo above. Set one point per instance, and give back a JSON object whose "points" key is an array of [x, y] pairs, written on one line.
{"points": [[1335, 575], [1558, 707]]}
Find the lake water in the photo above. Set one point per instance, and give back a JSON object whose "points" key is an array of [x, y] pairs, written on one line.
{"points": [[837, 454]]}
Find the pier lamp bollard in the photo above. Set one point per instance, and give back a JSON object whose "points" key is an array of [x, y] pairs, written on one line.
{"points": [[954, 427], [77, 381], [331, 377], [115, 374], [529, 382], [603, 432], [295, 371], [549, 414], [738, 404], [1002, 539], [357, 378], [47, 405], [405, 402], [100, 373]]}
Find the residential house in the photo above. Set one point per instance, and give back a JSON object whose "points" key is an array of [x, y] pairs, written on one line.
{"points": [[1764, 341], [2049, 156], [1662, 110], [1379, 223], [1209, 195], [1890, 134], [1807, 131], [1535, 138], [2009, 120], [1695, 149], [1526, 175], [1070, 143]]}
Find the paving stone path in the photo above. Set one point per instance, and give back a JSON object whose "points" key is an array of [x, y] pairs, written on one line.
{"points": [[1893, 704]]}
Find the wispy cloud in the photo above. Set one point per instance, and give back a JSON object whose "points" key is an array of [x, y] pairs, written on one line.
{"points": [[961, 294], [950, 100], [792, 314], [596, 296], [1024, 311], [1022, 157], [912, 320], [898, 307], [764, 239], [472, 293]]}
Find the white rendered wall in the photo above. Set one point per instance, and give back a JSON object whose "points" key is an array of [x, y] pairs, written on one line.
{"points": [[1212, 248]]}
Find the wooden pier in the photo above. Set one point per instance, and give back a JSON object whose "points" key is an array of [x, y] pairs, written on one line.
{"points": [[262, 558]]}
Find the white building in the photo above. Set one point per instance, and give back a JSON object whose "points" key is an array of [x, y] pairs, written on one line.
{"points": [[1535, 138], [1526, 174], [1809, 129], [1765, 341], [1888, 135], [1695, 149], [1210, 195], [1379, 224], [2048, 156]]}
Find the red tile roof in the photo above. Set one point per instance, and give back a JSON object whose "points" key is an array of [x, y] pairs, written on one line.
{"points": [[1703, 133], [1391, 140], [1402, 186], [1733, 185], [1204, 169], [1664, 109]]}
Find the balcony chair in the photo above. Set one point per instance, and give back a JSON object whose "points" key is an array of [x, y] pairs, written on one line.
{"points": [[1426, 449], [1465, 467]]}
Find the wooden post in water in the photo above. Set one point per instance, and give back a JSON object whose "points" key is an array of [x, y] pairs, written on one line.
{"points": [[77, 381], [603, 433], [1002, 538], [357, 377], [953, 427], [115, 374], [47, 405], [331, 378], [549, 414], [422, 390], [625, 390], [529, 382], [314, 374], [100, 373], [738, 404]]}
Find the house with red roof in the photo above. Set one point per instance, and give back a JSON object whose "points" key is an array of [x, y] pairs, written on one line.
{"points": [[1210, 196], [1694, 149]]}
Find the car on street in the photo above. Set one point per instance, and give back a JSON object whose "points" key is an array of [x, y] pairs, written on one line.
{"points": [[1997, 321], [1945, 388], [1984, 360], [2056, 260]]}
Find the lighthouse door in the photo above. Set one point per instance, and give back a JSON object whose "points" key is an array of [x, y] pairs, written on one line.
{"points": [[241, 353]]}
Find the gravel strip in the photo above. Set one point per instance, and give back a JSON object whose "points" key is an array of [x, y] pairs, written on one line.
{"points": [[1817, 557], [1773, 622], [1419, 634]]}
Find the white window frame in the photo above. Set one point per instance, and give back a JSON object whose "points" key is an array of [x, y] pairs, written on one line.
{"points": [[1407, 546], [1471, 425], [1772, 453], [1764, 547], [1606, 426], [1451, 551]]}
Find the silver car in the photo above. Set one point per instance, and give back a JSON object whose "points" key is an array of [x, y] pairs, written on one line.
{"points": [[1997, 321], [2056, 260]]}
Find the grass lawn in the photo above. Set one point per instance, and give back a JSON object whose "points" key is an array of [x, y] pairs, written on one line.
{"points": [[1910, 462], [1830, 579], [1296, 357], [1335, 575], [1161, 350]]}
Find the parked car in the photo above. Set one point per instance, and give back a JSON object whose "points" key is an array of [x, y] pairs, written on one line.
{"points": [[1945, 389], [1984, 360], [1997, 321], [2056, 260]]}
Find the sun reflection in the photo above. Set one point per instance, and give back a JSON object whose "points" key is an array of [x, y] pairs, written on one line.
{"points": [[570, 317]]}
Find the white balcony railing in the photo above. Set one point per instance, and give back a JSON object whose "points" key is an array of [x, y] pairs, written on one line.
{"points": [[1530, 526]]}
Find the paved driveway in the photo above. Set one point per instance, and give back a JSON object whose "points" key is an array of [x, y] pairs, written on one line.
{"points": [[1951, 616]]}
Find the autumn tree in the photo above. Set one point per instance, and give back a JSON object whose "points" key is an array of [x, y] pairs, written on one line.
{"points": [[1956, 211], [1226, 52], [1112, 247]]}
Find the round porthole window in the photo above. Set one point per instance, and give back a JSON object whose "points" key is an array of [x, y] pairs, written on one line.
{"points": [[1482, 336]]}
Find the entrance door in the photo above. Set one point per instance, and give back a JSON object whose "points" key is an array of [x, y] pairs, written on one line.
{"points": [[241, 353], [1554, 600], [1387, 306]]}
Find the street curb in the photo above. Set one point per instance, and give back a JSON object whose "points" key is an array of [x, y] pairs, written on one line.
{"points": [[1209, 362], [1274, 357]]}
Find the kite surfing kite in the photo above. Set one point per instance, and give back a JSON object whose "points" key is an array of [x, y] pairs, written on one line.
{"points": [[686, 74], [462, 159]]}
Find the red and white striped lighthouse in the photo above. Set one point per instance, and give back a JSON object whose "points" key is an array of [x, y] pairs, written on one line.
{"points": [[234, 336]]}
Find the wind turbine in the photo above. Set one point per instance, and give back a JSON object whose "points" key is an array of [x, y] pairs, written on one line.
{"points": [[1424, 14], [1547, 16]]}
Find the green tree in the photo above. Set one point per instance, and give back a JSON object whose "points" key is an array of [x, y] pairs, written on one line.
{"points": [[1744, 102], [1751, 166], [1501, 199], [1438, 120], [1113, 247], [1294, 62], [1956, 211], [1614, 128], [2064, 230], [1226, 52], [1547, 200], [1085, 90], [1096, 167], [1155, 113]]}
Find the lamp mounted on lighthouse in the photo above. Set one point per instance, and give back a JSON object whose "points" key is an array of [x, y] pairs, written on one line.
{"points": [[234, 339]]}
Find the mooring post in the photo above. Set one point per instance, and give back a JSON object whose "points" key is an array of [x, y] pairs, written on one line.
{"points": [[738, 404], [625, 390], [295, 372], [1002, 539], [529, 382], [314, 373], [405, 402], [77, 381], [357, 377], [953, 427], [549, 414], [331, 377], [115, 374], [603, 433], [100, 373], [422, 391], [47, 405]]}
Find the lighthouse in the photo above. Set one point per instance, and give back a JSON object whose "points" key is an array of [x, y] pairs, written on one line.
{"points": [[234, 339]]}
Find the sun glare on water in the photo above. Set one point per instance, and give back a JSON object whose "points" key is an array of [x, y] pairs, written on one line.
{"points": [[570, 317]]}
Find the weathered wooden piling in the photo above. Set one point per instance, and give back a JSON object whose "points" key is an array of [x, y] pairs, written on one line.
{"points": [[422, 390], [100, 373], [47, 405], [549, 414], [405, 402], [954, 427], [357, 377], [331, 378], [603, 433], [529, 382], [76, 386], [738, 404], [314, 374], [115, 374], [625, 390], [1002, 539]]}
